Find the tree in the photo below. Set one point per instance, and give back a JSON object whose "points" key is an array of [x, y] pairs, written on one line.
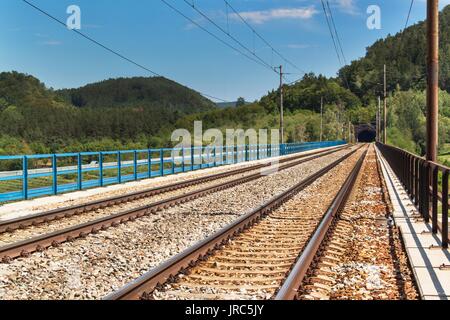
{"points": [[240, 102]]}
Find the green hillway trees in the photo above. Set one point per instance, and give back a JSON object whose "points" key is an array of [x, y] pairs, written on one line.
{"points": [[143, 112]]}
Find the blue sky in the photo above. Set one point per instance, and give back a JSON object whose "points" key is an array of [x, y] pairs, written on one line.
{"points": [[153, 35]]}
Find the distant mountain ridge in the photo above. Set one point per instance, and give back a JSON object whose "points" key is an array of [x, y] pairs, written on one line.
{"points": [[230, 104], [137, 92], [124, 110], [226, 104]]}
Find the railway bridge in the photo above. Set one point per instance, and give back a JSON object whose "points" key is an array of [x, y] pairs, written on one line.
{"points": [[330, 220]]}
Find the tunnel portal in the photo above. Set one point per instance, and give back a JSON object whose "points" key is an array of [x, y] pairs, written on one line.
{"points": [[366, 133]]}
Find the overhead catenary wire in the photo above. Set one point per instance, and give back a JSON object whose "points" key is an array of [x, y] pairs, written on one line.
{"points": [[92, 40], [409, 13], [210, 33], [289, 82], [333, 38], [338, 42], [336, 33], [294, 82], [108, 48], [331, 32], [407, 21], [261, 37], [193, 6], [228, 17]]}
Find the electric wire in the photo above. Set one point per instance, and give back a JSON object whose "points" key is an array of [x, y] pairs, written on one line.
{"points": [[193, 6], [261, 37], [108, 48], [333, 38], [337, 34], [409, 13]]}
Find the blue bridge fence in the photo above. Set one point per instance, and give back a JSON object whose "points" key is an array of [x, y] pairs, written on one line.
{"points": [[31, 176]]}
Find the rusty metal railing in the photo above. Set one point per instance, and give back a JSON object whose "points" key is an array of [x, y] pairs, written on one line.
{"points": [[426, 183]]}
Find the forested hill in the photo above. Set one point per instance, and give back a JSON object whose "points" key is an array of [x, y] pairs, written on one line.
{"points": [[137, 92], [108, 115], [131, 113], [405, 55], [21, 90], [24, 90], [307, 93]]}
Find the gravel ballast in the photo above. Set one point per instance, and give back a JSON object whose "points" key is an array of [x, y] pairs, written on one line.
{"points": [[92, 267]]}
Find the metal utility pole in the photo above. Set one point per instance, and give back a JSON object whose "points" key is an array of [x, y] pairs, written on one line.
{"points": [[379, 120], [354, 133], [349, 133], [433, 78], [385, 109], [281, 106], [376, 125], [321, 119]]}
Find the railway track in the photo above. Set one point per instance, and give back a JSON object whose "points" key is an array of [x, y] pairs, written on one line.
{"points": [[40, 243], [362, 256], [65, 212], [258, 255]]}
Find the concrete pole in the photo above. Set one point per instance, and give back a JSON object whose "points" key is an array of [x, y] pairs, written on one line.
{"points": [[432, 79], [357, 137], [349, 133], [354, 133], [379, 120], [321, 119], [281, 106], [385, 109]]}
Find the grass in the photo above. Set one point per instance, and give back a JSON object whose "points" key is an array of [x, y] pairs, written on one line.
{"points": [[445, 160], [16, 185], [33, 183], [444, 155]]}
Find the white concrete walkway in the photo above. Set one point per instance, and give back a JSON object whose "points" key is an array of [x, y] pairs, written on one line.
{"points": [[423, 247]]}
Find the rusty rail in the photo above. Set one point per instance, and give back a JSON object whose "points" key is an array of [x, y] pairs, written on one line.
{"points": [[48, 216], [147, 283], [40, 243], [289, 289]]}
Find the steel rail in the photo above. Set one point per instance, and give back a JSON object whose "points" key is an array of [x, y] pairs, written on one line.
{"points": [[289, 290], [148, 282], [66, 212], [40, 243]]}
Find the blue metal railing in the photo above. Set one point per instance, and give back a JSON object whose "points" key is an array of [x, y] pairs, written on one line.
{"points": [[50, 174]]}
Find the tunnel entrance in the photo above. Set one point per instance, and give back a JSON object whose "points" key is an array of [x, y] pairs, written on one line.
{"points": [[367, 136], [366, 132]]}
